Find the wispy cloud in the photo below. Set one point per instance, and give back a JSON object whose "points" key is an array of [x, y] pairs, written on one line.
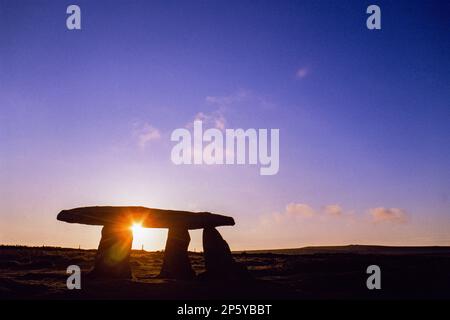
{"points": [[295, 211], [393, 215], [145, 134], [239, 99], [333, 210], [223, 102], [299, 209], [214, 119], [292, 212], [220, 106]]}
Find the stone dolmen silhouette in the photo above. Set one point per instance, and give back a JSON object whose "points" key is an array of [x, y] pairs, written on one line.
{"points": [[113, 254]]}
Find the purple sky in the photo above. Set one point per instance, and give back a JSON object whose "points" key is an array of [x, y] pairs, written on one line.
{"points": [[86, 118]]}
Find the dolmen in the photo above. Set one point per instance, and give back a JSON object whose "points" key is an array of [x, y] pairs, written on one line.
{"points": [[113, 254]]}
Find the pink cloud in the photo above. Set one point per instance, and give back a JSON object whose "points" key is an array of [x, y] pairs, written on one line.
{"points": [[393, 215]]}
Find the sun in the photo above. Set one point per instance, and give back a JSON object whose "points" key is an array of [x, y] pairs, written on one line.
{"points": [[138, 230], [147, 238]]}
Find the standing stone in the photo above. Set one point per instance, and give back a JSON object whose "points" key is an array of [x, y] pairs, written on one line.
{"points": [[219, 262], [176, 263], [113, 254]]}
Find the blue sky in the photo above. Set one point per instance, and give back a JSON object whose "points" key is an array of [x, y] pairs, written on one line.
{"points": [[86, 117]]}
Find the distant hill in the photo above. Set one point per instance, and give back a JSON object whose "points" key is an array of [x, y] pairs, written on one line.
{"points": [[355, 249], [348, 249]]}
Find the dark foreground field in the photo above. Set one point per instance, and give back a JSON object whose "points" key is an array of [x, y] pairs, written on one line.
{"points": [[310, 273]]}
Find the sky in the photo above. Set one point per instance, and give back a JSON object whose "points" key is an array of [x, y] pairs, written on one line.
{"points": [[86, 118]]}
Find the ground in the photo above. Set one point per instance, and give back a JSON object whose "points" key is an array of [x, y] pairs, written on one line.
{"points": [[319, 273]]}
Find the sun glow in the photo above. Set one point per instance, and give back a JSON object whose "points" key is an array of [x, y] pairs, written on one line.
{"points": [[148, 238], [138, 230]]}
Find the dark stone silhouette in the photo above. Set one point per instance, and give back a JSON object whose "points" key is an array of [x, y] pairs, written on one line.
{"points": [[216, 251], [176, 261], [219, 262], [148, 217], [113, 255]]}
